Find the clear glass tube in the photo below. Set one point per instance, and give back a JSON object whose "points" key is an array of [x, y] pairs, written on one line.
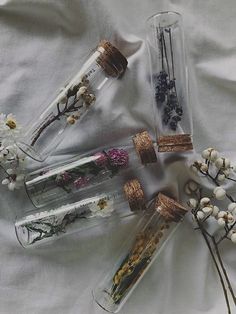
{"points": [[138, 253], [165, 42], [40, 227], [61, 182], [73, 102]]}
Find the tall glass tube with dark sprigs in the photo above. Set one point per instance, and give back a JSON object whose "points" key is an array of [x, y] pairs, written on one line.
{"points": [[143, 246], [165, 42], [47, 129]]}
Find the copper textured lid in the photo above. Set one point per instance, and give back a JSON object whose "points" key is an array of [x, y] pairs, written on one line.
{"points": [[169, 208], [135, 195], [144, 147], [111, 59], [175, 143]]}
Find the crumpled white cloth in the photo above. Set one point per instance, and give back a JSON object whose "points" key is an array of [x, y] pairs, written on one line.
{"points": [[42, 43]]}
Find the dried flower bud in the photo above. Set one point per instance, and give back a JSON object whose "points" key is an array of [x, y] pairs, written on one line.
{"points": [[71, 120], [204, 168], [82, 90]]}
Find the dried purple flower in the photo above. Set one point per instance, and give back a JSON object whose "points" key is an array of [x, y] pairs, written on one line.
{"points": [[65, 176], [81, 182], [101, 159], [118, 157], [62, 178]]}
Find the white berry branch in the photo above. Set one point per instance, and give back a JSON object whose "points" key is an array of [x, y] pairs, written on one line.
{"points": [[217, 170]]}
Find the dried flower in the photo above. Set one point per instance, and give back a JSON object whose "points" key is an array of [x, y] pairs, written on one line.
{"points": [[118, 157], [102, 207], [100, 159], [81, 182]]}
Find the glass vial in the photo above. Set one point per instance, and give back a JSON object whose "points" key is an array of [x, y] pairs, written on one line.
{"points": [[165, 42], [73, 102], [155, 229], [61, 182], [44, 226]]}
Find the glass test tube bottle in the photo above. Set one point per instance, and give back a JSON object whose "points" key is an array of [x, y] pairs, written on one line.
{"points": [[75, 99], [165, 42], [41, 227], [62, 181], [141, 249]]}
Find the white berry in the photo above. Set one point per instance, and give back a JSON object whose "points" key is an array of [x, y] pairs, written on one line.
{"points": [[192, 203], [221, 177], [221, 214], [204, 201], [231, 207], [221, 222], [207, 210], [219, 193], [233, 238], [200, 215], [215, 211]]}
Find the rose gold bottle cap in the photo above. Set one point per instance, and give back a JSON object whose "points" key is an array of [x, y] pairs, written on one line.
{"points": [[111, 59], [135, 195], [175, 143], [144, 147], [169, 208]]}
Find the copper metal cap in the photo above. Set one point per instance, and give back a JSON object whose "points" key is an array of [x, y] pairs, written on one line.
{"points": [[175, 143], [135, 195], [144, 147], [169, 208], [111, 59]]}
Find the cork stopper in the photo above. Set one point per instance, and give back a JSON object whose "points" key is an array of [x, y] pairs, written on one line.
{"points": [[135, 195], [169, 208], [111, 59], [144, 147], [175, 143]]}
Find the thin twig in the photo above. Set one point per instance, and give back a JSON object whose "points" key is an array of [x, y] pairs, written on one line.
{"points": [[216, 265], [224, 270]]}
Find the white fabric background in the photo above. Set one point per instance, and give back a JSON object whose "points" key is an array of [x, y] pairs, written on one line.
{"points": [[42, 43]]}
